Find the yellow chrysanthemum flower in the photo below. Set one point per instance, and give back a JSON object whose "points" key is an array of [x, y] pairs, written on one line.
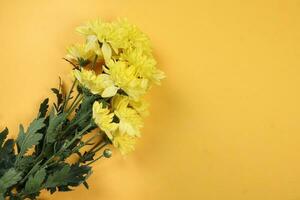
{"points": [[119, 34], [144, 64], [103, 118], [131, 36], [93, 45], [125, 143], [105, 33], [98, 84], [79, 51], [124, 77], [130, 122], [140, 105]]}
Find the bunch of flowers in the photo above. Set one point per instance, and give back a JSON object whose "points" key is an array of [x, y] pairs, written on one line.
{"points": [[112, 71], [127, 71]]}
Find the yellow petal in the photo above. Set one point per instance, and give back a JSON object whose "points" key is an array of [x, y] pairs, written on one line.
{"points": [[110, 91], [106, 50]]}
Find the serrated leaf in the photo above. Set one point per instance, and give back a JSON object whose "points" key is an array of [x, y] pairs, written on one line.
{"points": [[58, 178], [21, 137], [9, 178], [25, 163], [3, 136], [84, 112], [55, 123], [64, 188], [43, 108], [35, 183], [59, 96], [68, 176], [7, 156], [78, 174], [31, 138]]}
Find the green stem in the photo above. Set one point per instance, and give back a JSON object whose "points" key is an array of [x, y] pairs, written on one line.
{"points": [[77, 136], [72, 104], [31, 171], [78, 100], [99, 147], [75, 122], [85, 143], [69, 94], [95, 160]]}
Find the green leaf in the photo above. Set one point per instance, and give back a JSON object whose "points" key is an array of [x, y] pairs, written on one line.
{"points": [[55, 123], [25, 163], [7, 156], [9, 178], [69, 176], [59, 96], [35, 183], [87, 156], [31, 138], [58, 178], [43, 108], [3, 136], [84, 113]]}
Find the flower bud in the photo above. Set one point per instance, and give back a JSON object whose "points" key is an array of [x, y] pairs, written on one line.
{"points": [[107, 153]]}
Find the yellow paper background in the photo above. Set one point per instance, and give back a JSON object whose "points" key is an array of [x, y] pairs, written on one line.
{"points": [[224, 125]]}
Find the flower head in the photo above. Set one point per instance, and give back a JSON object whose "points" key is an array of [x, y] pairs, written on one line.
{"points": [[130, 122], [98, 84], [103, 118], [124, 77], [125, 143]]}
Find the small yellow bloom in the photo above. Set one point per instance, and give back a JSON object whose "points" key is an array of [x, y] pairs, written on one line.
{"points": [[98, 84], [124, 77], [79, 51], [130, 122], [140, 105], [93, 45], [106, 51], [103, 118], [119, 34], [125, 143], [144, 64], [131, 36]]}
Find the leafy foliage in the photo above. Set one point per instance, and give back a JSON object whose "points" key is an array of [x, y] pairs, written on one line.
{"points": [[41, 161], [59, 96], [55, 126], [7, 155], [44, 108], [31, 138], [35, 182], [9, 178]]}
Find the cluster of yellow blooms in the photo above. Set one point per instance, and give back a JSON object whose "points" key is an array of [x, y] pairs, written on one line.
{"points": [[127, 71]]}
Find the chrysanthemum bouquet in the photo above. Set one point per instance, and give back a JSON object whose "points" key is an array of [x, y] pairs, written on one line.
{"points": [[112, 71]]}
